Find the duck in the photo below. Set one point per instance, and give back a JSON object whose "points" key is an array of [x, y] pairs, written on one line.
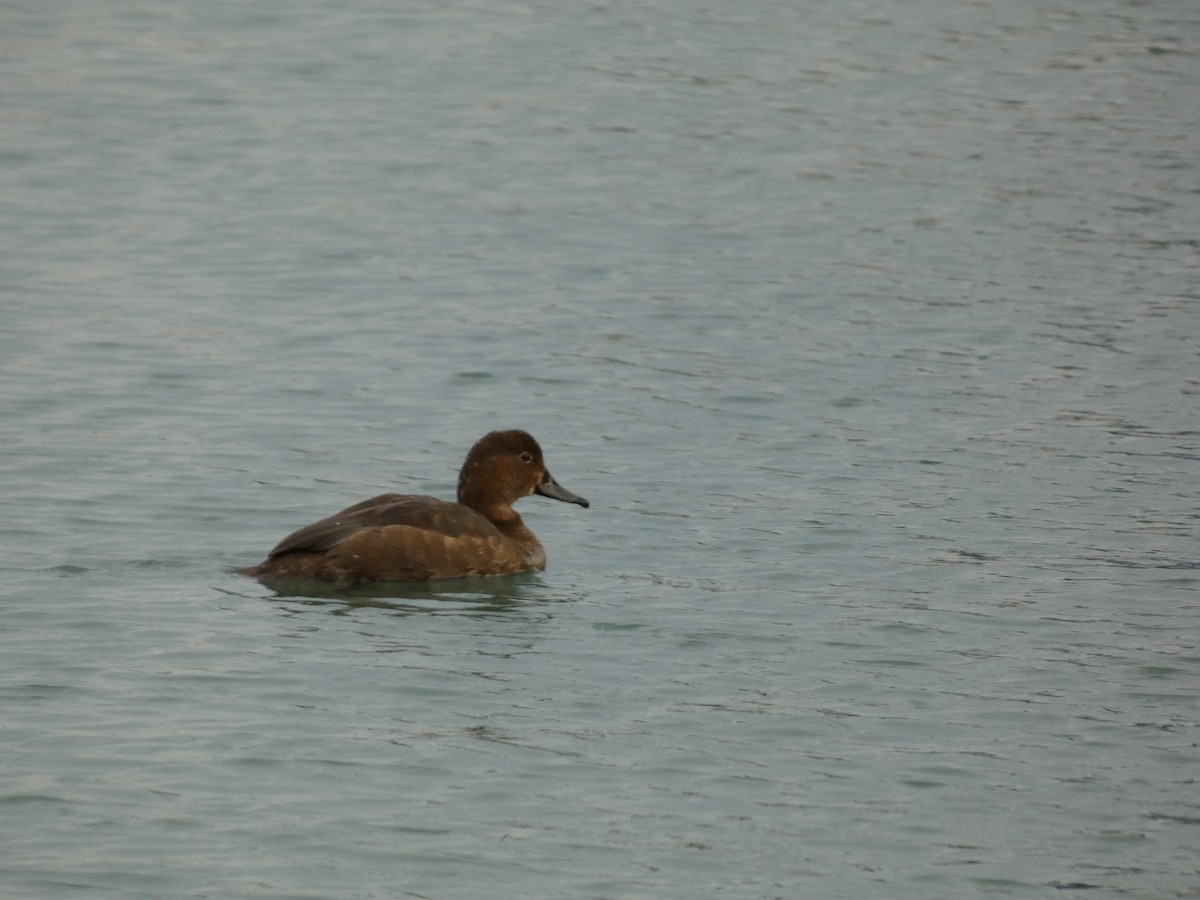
{"points": [[409, 537]]}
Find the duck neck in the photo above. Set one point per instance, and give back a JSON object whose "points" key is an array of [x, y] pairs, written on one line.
{"points": [[508, 520], [510, 524]]}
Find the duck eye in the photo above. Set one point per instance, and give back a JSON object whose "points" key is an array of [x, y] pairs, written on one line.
{"points": [[526, 456]]}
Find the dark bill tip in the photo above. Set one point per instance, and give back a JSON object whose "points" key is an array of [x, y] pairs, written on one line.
{"points": [[551, 488]]}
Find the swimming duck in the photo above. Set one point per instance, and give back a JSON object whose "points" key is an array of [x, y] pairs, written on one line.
{"points": [[403, 537]]}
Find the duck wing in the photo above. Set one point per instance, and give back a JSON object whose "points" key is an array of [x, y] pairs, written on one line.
{"points": [[416, 511]]}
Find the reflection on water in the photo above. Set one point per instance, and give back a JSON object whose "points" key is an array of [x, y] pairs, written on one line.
{"points": [[452, 596]]}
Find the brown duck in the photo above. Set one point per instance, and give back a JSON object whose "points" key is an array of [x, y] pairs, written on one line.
{"points": [[403, 537]]}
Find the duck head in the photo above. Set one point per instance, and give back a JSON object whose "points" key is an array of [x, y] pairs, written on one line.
{"points": [[505, 466]]}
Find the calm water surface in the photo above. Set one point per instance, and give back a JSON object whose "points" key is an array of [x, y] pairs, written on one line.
{"points": [[871, 330]]}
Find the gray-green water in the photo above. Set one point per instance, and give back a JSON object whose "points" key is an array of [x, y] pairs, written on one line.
{"points": [[871, 330]]}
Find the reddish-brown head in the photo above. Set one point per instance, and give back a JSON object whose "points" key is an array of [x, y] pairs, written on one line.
{"points": [[505, 466]]}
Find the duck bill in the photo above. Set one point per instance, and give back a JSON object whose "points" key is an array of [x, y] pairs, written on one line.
{"points": [[551, 488]]}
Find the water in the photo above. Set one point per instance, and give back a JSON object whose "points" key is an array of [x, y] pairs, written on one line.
{"points": [[870, 331]]}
